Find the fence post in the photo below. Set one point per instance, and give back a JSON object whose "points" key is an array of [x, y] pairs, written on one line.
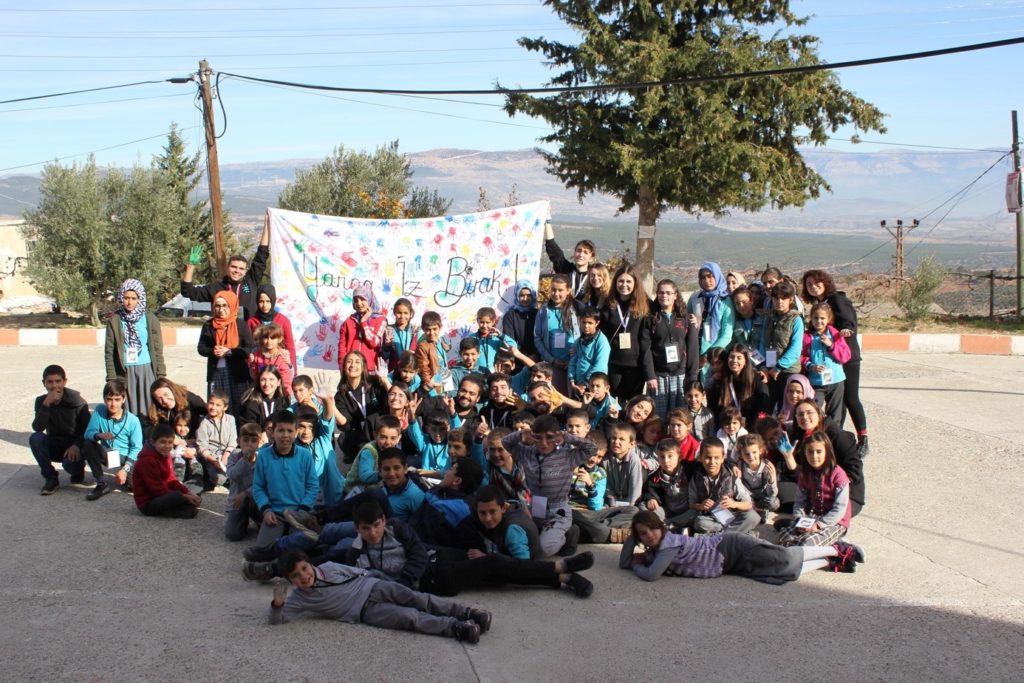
{"points": [[991, 295]]}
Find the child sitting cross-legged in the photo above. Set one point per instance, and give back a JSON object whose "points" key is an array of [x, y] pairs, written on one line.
{"points": [[758, 474], [624, 485], [721, 500], [156, 490], [354, 595], [666, 491], [216, 438]]}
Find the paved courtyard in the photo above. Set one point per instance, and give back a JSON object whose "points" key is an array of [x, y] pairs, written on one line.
{"points": [[96, 592]]}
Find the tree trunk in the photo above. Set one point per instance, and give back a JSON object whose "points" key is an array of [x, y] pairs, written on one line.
{"points": [[645, 237], [94, 314]]}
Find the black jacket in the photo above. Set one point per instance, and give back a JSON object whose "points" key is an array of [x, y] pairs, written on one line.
{"points": [[245, 290], [64, 422]]}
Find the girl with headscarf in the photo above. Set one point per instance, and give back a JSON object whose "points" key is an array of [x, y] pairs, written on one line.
{"points": [[266, 313], [711, 309], [518, 321], [226, 345], [363, 331], [134, 349]]}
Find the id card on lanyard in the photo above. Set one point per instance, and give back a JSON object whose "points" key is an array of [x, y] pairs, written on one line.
{"points": [[361, 401], [625, 340]]}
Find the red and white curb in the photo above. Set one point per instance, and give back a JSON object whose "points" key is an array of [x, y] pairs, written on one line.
{"points": [[986, 344]]}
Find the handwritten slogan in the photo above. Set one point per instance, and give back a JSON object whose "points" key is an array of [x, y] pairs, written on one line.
{"points": [[450, 264]]}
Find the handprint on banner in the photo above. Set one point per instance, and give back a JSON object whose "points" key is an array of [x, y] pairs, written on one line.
{"points": [[321, 333], [328, 354], [437, 242], [488, 244]]}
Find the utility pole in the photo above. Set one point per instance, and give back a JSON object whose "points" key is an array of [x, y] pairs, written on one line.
{"points": [[1020, 219], [898, 234], [213, 168]]}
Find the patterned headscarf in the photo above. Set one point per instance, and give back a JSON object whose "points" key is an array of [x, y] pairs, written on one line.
{"points": [[131, 338]]}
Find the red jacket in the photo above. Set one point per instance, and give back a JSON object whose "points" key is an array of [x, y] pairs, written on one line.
{"points": [[153, 477], [366, 337], [689, 448]]}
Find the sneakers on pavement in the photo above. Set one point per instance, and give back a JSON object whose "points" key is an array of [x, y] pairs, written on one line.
{"points": [[579, 563], [580, 586], [467, 632], [259, 553], [50, 487], [481, 618], [303, 522], [618, 535]]}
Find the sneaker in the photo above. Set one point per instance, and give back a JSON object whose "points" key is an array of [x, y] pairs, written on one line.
{"points": [[50, 487], [863, 448], [858, 552], [258, 571], [467, 632], [844, 562], [572, 541], [102, 489], [580, 586], [260, 553], [303, 522], [618, 535], [579, 563], [481, 618]]}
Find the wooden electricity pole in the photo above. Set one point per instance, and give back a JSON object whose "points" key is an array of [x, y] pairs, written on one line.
{"points": [[898, 234], [1019, 218], [213, 168]]}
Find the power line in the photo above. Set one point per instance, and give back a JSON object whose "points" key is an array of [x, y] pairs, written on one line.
{"points": [[860, 141], [344, 8], [294, 33], [270, 54], [89, 104], [82, 154], [662, 83], [106, 87], [296, 67]]}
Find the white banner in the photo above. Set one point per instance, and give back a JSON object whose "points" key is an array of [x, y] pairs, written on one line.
{"points": [[452, 264]]}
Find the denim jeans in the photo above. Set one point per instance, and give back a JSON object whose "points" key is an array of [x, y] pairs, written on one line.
{"points": [[47, 451]]}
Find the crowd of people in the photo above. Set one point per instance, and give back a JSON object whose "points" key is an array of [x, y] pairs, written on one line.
{"points": [[683, 429]]}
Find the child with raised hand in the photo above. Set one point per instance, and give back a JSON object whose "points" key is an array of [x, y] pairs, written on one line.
{"points": [[822, 507], [316, 432], [239, 507], [548, 457], [269, 352], [353, 595], [731, 420], [556, 330], [267, 314], [825, 351], [521, 317], [156, 491], [575, 270], [666, 490], [590, 352], [780, 454], [702, 420], [365, 470], [720, 500], [599, 402], [758, 474], [710, 308], [400, 337], [490, 339], [216, 438], [112, 428], [503, 471], [670, 554]]}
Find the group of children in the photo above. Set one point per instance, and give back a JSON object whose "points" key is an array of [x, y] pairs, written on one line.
{"points": [[586, 420]]}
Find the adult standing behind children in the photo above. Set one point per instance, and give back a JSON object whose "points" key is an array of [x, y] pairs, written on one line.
{"points": [[583, 256], [624, 323], [711, 308], [226, 345], [242, 278], [818, 287], [134, 348], [61, 418]]}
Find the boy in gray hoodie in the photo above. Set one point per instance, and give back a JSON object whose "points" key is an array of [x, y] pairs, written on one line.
{"points": [[353, 595]]}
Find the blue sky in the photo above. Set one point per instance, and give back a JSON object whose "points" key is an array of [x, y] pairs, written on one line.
{"points": [[955, 101]]}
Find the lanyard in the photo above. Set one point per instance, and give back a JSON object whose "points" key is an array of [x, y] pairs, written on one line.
{"points": [[403, 344], [124, 425], [581, 284], [361, 401], [623, 321]]}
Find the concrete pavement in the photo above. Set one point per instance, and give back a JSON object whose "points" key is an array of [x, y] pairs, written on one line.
{"points": [[94, 591]]}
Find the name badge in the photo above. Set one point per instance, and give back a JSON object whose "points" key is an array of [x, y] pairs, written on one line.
{"points": [[707, 333], [448, 381], [131, 356], [771, 358], [672, 354], [804, 522], [756, 356], [222, 362], [625, 341], [826, 376], [558, 340], [113, 458], [539, 507]]}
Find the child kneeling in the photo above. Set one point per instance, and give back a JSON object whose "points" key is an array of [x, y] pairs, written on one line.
{"points": [[156, 490], [350, 594]]}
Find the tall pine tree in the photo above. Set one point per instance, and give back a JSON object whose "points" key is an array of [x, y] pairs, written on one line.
{"points": [[702, 148]]}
